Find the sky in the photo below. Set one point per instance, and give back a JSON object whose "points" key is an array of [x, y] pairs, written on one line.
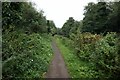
{"points": [[60, 10]]}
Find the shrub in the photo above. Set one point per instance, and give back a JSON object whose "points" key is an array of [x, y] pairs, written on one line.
{"points": [[107, 57], [25, 55], [102, 51]]}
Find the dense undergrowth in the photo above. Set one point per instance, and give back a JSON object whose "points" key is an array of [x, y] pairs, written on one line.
{"points": [[91, 55], [102, 51], [76, 67], [26, 48], [25, 56]]}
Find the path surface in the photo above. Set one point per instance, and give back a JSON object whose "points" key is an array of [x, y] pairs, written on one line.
{"points": [[57, 68]]}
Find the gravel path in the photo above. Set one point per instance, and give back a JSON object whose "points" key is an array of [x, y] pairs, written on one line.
{"points": [[57, 68]]}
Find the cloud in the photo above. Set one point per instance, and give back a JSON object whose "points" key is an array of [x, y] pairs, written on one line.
{"points": [[60, 10]]}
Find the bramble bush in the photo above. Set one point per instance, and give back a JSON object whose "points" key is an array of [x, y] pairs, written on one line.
{"points": [[102, 51], [26, 49], [76, 67], [106, 56], [25, 56], [83, 43]]}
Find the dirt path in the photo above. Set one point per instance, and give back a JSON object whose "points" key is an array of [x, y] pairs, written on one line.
{"points": [[57, 68]]}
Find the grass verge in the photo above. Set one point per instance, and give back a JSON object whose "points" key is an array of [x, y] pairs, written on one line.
{"points": [[76, 67]]}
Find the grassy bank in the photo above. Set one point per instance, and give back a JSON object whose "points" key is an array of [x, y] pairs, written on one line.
{"points": [[25, 56], [76, 67]]}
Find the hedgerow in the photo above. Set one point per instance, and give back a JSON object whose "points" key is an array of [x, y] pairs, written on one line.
{"points": [[25, 56]]}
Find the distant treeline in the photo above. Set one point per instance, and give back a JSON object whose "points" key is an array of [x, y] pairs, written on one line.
{"points": [[101, 17]]}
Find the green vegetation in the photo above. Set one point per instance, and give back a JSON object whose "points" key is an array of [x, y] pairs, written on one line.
{"points": [[76, 67], [93, 59], [98, 56], [91, 47], [95, 39], [102, 51], [26, 56], [26, 41], [51, 27], [101, 17]]}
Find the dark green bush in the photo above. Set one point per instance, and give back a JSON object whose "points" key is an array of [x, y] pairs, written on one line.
{"points": [[103, 52], [25, 55], [106, 56]]}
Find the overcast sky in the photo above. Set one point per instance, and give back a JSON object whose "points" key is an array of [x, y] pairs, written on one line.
{"points": [[60, 10]]}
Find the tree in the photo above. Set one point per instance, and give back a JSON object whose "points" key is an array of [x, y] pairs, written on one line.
{"points": [[22, 15], [113, 22], [67, 26], [96, 16], [51, 27]]}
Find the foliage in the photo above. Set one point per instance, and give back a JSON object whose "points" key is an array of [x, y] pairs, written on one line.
{"points": [[83, 39], [96, 23], [109, 58], [76, 67], [11, 13], [102, 51], [25, 56], [66, 41], [105, 18], [51, 27], [24, 16], [26, 49], [70, 27], [113, 20], [96, 38]]}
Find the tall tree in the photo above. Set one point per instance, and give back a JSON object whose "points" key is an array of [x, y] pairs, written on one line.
{"points": [[96, 16], [113, 23], [24, 16], [51, 27], [67, 26]]}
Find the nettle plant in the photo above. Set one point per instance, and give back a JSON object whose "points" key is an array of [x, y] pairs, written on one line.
{"points": [[25, 55], [106, 53]]}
